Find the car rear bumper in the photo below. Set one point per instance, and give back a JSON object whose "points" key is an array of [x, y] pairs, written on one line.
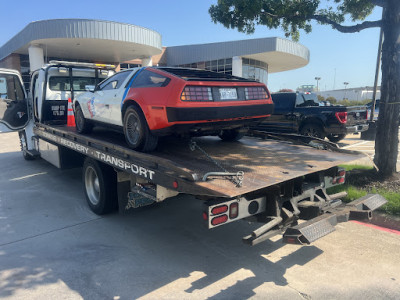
{"points": [[190, 114], [347, 129], [206, 128]]}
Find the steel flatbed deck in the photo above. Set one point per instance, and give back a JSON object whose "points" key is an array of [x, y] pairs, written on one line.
{"points": [[264, 161]]}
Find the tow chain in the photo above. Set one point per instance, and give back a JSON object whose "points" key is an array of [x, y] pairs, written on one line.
{"points": [[236, 178]]}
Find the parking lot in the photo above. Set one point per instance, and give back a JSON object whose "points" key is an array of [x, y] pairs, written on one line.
{"points": [[53, 247], [353, 142]]}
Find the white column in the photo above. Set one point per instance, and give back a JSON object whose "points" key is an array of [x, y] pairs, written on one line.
{"points": [[237, 66], [147, 62], [36, 57]]}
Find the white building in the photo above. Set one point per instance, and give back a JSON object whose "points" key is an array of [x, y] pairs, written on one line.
{"points": [[352, 94]]}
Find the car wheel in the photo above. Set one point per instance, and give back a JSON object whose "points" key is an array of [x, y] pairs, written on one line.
{"points": [[137, 132], [334, 138], [82, 125], [313, 130], [100, 186], [232, 134]]}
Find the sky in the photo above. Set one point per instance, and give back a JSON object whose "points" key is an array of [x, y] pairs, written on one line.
{"points": [[334, 57]]}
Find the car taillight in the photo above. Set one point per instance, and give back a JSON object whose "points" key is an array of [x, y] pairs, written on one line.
{"points": [[255, 93], [367, 115], [341, 116], [196, 93]]}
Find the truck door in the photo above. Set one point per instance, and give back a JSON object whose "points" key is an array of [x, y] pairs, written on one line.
{"points": [[282, 118], [13, 102]]}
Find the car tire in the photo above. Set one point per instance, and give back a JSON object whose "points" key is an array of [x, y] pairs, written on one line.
{"points": [[334, 138], [137, 133], [231, 135], [312, 130], [100, 186], [24, 146], [82, 125]]}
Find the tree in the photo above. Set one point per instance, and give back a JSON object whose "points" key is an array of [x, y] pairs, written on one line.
{"points": [[295, 15]]}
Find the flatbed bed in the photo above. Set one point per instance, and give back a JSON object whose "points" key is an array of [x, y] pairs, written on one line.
{"points": [[264, 162]]}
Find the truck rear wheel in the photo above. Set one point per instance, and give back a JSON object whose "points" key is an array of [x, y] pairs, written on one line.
{"points": [[100, 186], [313, 130]]}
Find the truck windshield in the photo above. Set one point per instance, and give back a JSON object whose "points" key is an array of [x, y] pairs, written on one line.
{"points": [[10, 87], [306, 100]]}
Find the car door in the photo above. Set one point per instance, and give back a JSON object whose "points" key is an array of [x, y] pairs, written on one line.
{"points": [[107, 93], [13, 102]]}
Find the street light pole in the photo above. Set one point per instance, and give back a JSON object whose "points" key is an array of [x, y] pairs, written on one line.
{"points": [[345, 86], [317, 79]]}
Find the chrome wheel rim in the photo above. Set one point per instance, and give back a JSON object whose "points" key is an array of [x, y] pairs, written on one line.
{"points": [[92, 185], [133, 129]]}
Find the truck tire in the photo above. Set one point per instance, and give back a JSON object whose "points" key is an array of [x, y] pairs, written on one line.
{"points": [[100, 186], [82, 125], [24, 147], [334, 138], [232, 134], [313, 130], [137, 132]]}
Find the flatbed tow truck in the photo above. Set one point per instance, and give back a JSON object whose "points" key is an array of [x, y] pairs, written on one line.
{"points": [[279, 181]]}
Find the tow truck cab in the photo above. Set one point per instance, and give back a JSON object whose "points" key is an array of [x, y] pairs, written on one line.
{"points": [[55, 83]]}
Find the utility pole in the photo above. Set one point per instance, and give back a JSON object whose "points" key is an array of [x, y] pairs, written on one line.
{"points": [[317, 79], [345, 86]]}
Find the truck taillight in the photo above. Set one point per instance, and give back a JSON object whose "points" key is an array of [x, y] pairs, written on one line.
{"points": [[340, 176], [233, 210], [341, 116], [256, 93], [219, 209], [219, 220], [196, 93]]}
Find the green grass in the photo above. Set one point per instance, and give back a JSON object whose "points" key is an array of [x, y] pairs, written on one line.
{"points": [[356, 167], [353, 193]]}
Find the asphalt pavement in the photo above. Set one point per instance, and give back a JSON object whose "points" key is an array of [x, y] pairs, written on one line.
{"points": [[53, 247], [353, 142]]}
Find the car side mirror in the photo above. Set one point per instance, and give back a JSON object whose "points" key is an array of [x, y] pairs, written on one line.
{"points": [[90, 88]]}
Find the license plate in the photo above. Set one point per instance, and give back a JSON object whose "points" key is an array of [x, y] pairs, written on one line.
{"points": [[227, 94]]}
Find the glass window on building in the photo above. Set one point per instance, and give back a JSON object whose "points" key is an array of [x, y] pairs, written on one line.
{"points": [[255, 69], [25, 71], [129, 66], [252, 69]]}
